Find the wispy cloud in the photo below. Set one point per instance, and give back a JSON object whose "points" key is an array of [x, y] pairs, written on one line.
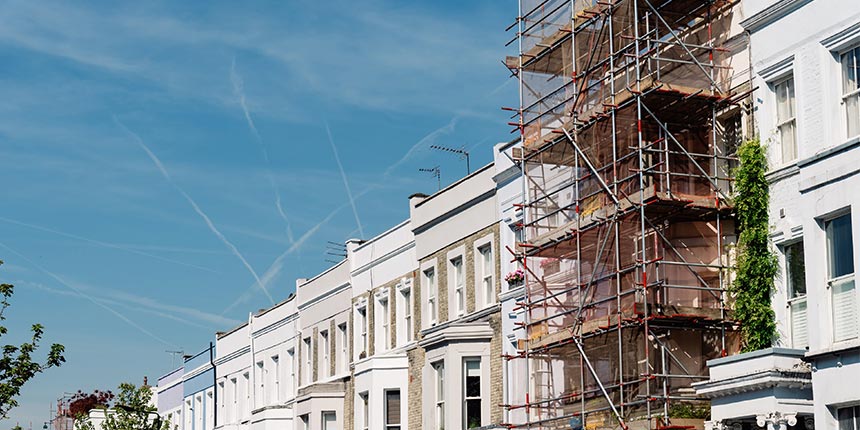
{"points": [[104, 244], [423, 144], [345, 181], [89, 297], [239, 91], [194, 205], [277, 265]]}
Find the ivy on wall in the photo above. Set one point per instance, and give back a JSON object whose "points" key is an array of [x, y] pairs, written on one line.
{"points": [[757, 265]]}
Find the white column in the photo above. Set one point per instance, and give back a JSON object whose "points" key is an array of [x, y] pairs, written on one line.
{"points": [[776, 420]]}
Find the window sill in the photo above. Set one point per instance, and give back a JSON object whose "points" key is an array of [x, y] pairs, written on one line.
{"points": [[835, 348]]}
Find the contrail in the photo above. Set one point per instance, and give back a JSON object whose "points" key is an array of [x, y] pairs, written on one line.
{"points": [[275, 268], [345, 182], [425, 142], [239, 92], [105, 244], [129, 306], [90, 298], [194, 205]]}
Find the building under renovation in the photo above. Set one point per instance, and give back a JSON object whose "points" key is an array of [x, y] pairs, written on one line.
{"points": [[630, 114]]}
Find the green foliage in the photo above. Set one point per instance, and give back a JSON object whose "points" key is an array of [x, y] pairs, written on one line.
{"points": [[17, 365], [132, 411], [690, 410], [756, 265]]}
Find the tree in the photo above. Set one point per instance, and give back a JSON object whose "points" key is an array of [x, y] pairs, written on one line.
{"points": [[132, 411], [82, 403], [757, 265], [17, 365]]}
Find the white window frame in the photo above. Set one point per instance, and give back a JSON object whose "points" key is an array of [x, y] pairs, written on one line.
{"points": [[234, 388], [844, 284], [307, 348], [276, 379], [243, 411], [431, 286], [466, 398], [386, 424], [323, 416], [854, 94], [456, 273], [383, 321], [291, 366], [222, 405], [364, 401], [260, 384], [485, 277], [404, 311], [344, 344], [796, 304], [325, 350], [439, 395], [788, 150], [361, 322], [854, 410]]}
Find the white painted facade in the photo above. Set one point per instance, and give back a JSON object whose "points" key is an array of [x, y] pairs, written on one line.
{"points": [[382, 378], [233, 378], [805, 113], [324, 304]]}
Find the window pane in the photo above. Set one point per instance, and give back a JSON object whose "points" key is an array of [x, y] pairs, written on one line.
{"points": [[852, 112], [392, 407], [840, 246], [845, 416], [845, 318], [473, 413], [782, 102], [796, 270], [849, 70], [799, 336], [473, 378], [787, 134]]}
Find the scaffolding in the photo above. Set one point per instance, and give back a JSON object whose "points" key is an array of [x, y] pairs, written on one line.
{"points": [[627, 217]]}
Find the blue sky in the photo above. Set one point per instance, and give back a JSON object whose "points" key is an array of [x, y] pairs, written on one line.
{"points": [[157, 158]]}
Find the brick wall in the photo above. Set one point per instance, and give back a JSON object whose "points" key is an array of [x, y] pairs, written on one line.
{"points": [[415, 357]]}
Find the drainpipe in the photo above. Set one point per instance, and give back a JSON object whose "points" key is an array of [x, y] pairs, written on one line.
{"points": [[214, 386]]}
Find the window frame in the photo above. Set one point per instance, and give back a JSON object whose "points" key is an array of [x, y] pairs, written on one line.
{"points": [[385, 407], [439, 394], [855, 93], [780, 122], [308, 376], [325, 364], [364, 398], [464, 391], [431, 285], [487, 275], [794, 302], [456, 270], [342, 361], [842, 280]]}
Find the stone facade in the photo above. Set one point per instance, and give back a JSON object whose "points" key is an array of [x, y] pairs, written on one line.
{"points": [[416, 364]]}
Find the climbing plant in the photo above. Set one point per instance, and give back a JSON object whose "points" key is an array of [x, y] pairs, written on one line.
{"points": [[756, 264]]}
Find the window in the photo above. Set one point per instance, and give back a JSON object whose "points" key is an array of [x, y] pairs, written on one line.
{"points": [[786, 119], [342, 360], [392, 410], [362, 330], [324, 354], [406, 312], [430, 285], [329, 421], [365, 411], [209, 407], [291, 366], [198, 409], [848, 418], [260, 393], [246, 406], [796, 289], [276, 379], [189, 414], [439, 369], [472, 393], [234, 396], [487, 272], [383, 338], [459, 288], [221, 402], [306, 372], [851, 90], [840, 269]]}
